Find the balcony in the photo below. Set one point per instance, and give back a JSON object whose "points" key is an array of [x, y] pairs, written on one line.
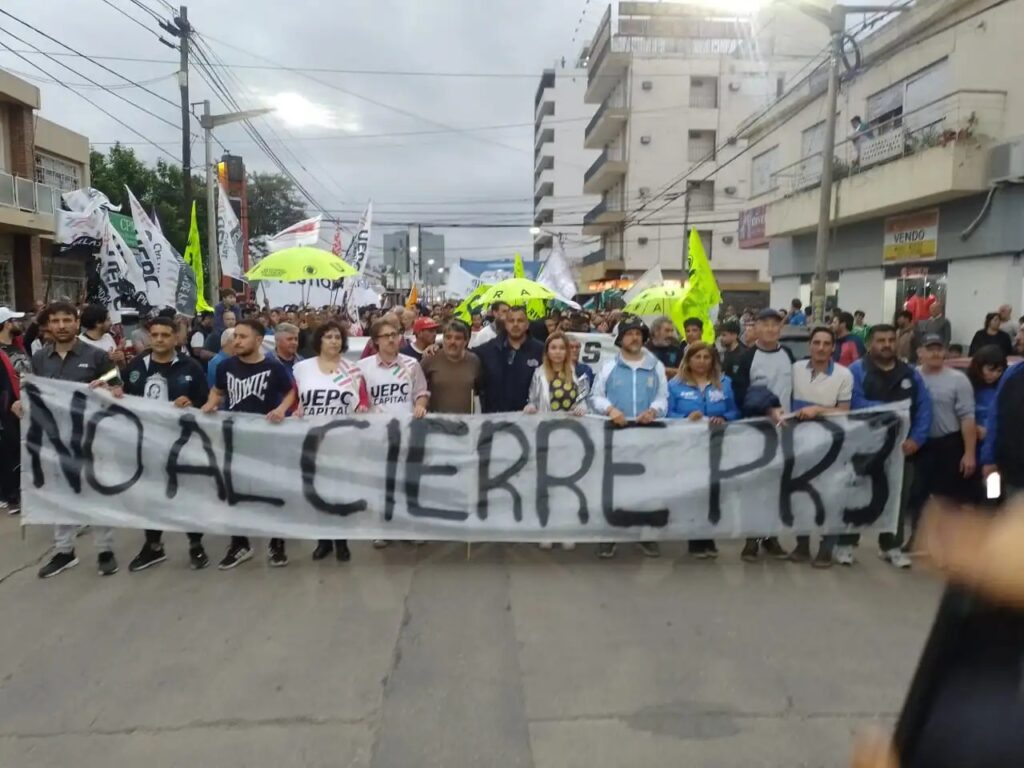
{"points": [[608, 62], [27, 205], [542, 240], [606, 123], [544, 163], [544, 109], [598, 264], [935, 153], [602, 218], [544, 183], [545, 213], [543, 137], [604, 173]]}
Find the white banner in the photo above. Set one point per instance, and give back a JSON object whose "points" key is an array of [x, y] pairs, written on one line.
{"points": [[85, 224], [136, 463], [461, 283], [174, 284], [305, 232], [356, 256], [648, 279], [556, 275], [315, 293], [229, 238], [120, 272]]}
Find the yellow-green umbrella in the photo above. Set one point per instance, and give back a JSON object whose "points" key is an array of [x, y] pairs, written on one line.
{"points": [[654, 301], [516, 291], [303, 263]]}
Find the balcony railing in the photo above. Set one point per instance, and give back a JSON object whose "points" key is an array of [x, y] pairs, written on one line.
{"points": [[603, 158], [591, 216], [594, 257], [949, 119], [703, 99], [28, 195]]}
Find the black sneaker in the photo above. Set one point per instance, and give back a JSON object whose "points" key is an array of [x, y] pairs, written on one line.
{"points": [[341, 551], [824, 557], [106, 564], [697, 550], [147, 556], [197, 558], [802, 553], [276, 556], [606, 550], [59, 563], [772, 548], [323, 549], [12, 506], [236, 555], [650, 549], [750, 551]]}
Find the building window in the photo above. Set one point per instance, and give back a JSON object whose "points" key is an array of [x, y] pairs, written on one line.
{"points": [[704, 92], [701, 195], [63, 175], [762, 172], [707, 239], [812, 141], [700, 146]]}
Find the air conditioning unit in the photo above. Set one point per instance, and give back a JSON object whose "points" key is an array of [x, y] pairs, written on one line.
{"points": [[645, 140], [641, 241], [734, 87], [730, 190], [1006, 162], [647, 85], [644, 191], [727, 239]]}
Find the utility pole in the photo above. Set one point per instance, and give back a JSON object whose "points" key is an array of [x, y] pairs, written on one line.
{"points": [[180, 29]]}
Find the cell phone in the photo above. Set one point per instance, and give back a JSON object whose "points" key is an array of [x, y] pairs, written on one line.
{"points": [[993, 486]]}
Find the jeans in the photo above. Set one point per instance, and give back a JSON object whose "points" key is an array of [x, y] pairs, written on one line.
{"points": [[64, 538], [154, 538], [828, 543]]}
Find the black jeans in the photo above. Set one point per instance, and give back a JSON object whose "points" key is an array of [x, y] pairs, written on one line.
{"points": [[10, 459], [155, 537]]}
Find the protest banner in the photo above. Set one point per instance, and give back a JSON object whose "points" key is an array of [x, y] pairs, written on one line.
{"points": [[138, 463]]}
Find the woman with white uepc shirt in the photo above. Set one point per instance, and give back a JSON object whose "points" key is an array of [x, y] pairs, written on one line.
{"points": [[329, 385]]}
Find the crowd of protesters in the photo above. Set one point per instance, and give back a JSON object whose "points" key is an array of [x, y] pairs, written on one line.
{"points": [[291, 362]]}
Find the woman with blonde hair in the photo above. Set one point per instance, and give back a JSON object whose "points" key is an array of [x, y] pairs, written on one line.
{"points": [[701, 392], [557, 389]]}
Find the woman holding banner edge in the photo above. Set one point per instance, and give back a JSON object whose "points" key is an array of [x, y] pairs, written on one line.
{"points": [[701, 392], [329, 385], [556, 388]]}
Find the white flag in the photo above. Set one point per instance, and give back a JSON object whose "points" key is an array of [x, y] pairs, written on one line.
{"points": [[120, 272], [306, 232], [648, 279], [229, 238], [461, 282], [172, 283], [356, 256], [85, 223], [556, 275]]}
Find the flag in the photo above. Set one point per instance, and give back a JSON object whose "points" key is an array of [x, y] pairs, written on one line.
{"points": [[701, 296], [336, 246], [229, 238], [517, 269], [649, 279], [194, 259], [460, 283], [84, 224], [156, 221], [305, 232], [413, 295], [121, 274], [465, 310], [556, 275], [171, 283], [355, 255]]}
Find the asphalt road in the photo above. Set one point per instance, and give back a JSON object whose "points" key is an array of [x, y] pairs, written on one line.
{"points": [[420, 657]]}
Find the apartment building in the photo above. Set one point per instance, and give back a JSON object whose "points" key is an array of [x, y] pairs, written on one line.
{"points": [[672, 82], [927, 195], [38, 161], [561, 159]]}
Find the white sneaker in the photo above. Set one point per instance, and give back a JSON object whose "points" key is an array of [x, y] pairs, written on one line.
{"points": [[843, 555], [568, 546], [896, 557], [546, 545]]}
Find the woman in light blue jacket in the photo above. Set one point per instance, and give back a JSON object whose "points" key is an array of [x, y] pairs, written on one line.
{"points": [[700, 392]]}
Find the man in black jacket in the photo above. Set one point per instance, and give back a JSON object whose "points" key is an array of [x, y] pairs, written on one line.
{"points": [[165, 374], [508, 363]]}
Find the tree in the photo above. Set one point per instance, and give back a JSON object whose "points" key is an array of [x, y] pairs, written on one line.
{"points": [[274, 204]]}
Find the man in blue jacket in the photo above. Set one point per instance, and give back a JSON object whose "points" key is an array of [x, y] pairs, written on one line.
{"points": [[1003, 447], [632, 387], [508, 362], [881, 377]]}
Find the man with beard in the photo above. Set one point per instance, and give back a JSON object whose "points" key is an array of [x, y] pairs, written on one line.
{"points": [[453, 374], [68, 358], [250, 382], [166, 374], [508, 363]]}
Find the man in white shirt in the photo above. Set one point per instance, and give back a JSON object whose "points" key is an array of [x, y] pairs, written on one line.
{"points": [[820, 387], [395, 382], [96, 324], [499, 310]]}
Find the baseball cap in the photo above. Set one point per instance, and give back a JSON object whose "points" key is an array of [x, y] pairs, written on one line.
{"points": [[932, 340], [769, 314], [7, 314], [425, 324]]}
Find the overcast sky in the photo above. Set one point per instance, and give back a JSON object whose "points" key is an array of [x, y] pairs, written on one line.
{"points": [[493, 167]]}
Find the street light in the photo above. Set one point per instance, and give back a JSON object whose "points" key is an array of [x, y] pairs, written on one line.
{"points": [[430, 262], [534, 231], [414, 249]]}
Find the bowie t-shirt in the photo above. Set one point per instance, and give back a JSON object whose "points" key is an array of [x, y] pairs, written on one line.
{"points": [[252, 387], [394, 387], [329, 394]]}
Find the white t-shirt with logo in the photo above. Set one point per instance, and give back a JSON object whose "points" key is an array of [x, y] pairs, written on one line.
{"points": [[328, 394], [106, 342], [395, 387]]}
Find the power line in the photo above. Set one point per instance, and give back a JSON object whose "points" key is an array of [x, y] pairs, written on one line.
{"points": [[150, 11], [93, 103], [131, 18]]}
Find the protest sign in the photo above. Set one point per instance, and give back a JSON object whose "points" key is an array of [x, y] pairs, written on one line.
{"points": [[138, 463]]}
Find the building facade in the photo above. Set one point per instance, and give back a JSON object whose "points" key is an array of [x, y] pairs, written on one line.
{"points": [[423, 263], [925, 198], [671, 83], [561, 160], [38, 161]]}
